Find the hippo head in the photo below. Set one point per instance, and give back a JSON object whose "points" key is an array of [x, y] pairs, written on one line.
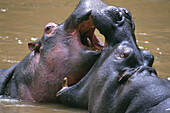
{"points": [[120, 60], [121, 83], [66, 50], [119, 27], [122, 56], [71, 46], [124, 81]]}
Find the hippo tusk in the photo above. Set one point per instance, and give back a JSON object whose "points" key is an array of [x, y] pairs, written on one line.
{"points": [[89, 42], [64, 85]]}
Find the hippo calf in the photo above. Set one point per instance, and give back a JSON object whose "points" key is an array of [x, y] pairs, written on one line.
{"points": [[122, 80], [66, 50]]}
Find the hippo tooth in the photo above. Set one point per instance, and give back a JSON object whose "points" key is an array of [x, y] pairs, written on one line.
{"points": [[89, 42], [64, 85]]}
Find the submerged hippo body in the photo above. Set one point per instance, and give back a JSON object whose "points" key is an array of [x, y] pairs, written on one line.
{"points": [[63, 51], [122, 79]]}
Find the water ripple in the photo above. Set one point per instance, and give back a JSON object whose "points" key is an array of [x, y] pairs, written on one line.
{"points": [[19, 105], [10, 61], [4, 10]]}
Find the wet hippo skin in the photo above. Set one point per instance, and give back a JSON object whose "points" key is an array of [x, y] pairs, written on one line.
{"points": [[66, 50], [122, 80]]}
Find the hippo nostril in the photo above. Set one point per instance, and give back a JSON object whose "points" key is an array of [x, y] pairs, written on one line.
{"points": [[127, 14], [126, 11]]}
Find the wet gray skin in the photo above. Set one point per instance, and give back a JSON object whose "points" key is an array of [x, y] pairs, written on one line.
{"points": [[63, 51], [122, 80]]}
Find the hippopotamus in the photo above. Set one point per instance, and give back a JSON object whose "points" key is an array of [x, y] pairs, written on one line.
{"points": [[122, 80], [68, 49]]}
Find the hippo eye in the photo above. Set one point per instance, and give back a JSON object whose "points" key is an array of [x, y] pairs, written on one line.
{"points": [[114, 13], [48, 29], [125, 53]]}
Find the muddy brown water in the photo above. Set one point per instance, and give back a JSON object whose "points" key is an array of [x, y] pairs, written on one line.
{"points": [[22, 21]]}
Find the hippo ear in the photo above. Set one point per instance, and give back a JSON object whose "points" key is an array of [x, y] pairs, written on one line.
{"points": [[34, 46]]}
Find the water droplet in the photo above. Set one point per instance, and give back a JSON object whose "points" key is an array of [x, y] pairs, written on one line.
{"points": [[10, 61], [168, 78], [141, 47], [157, 61], [146, 42], [143, 34], [20, 42], [160, 53], [33, 39], [4, 10]]}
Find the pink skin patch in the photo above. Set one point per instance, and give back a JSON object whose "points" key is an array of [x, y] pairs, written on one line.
{"points": [[25, 94]]}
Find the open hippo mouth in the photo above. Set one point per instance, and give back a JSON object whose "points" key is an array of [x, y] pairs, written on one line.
{"points": [[120, 61], [112, 22], [81, 21], [87, 36]]}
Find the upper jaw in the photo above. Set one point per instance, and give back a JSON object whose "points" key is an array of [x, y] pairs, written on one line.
{"points": [[112, 21], [80, 21], [88, 16], [81, 13]]}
